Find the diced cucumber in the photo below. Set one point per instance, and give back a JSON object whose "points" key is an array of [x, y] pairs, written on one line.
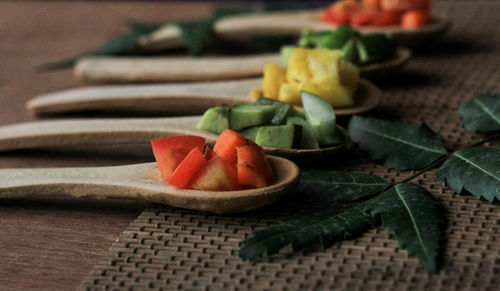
{"points": [[250, 133], [308, 139], [282, 136], [247, 115], [215, 119], [320, 115], [286, 52], [279, 118]]}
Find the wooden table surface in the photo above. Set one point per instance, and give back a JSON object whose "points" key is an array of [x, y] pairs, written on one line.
{"points": [[54, 243]]}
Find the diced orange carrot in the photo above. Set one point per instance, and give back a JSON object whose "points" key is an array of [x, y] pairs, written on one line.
{"points": [[226, 144], [187, 168], [415, 19], [250, 167], [268, 169]]}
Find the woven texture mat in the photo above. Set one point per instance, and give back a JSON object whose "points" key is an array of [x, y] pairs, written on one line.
{"points": [[179, 249]]}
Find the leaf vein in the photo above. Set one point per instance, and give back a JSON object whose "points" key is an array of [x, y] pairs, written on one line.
{"points": [[476, 165], [419, 236], [485, 109], [400, 140]]}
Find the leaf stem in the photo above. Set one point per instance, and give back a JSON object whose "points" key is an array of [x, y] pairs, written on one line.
{"points": [[493, 137], [441, 159], [435, 163]]}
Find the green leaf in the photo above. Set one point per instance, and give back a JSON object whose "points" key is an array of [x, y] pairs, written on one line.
{"points": [[482, 113], [339, 187], [121, 44], [475, 169], [414, 215], [195, 34], [401, 146], [325, 228]]}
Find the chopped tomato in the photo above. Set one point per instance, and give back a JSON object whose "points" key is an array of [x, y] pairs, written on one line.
{"points": [[215, 175], [387, 18], [371, 4], [187, 168], [340, 12], [170, 151], [363, 17], [226, 144], [414, 19], [209, 153], [402, 5]]}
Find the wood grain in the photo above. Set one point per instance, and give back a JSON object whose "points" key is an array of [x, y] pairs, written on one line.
{"points": [[53, 244], [155, 69], [143, 182]]}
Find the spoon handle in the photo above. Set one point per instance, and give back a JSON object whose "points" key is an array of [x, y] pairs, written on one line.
{"points": [[96, 183], [97, 131], [173, 99], [160, 69]]}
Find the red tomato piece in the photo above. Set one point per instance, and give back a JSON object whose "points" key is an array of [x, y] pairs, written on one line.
{"points": [[402, 5], [363, 17], [387, 18], [340, 12], [371, 4], [209, 154], [215, 175], [414, 19], [187, 168], [170, 151], [226, 144]]}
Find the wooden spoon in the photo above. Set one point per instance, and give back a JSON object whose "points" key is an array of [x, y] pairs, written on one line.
{"points": [[143, 182], [173, 99], [158, 69], [242, 27], [126, 130], [165, 69]]}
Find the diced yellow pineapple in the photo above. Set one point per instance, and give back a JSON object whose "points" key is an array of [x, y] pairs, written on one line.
{"points": [[298, 67], [337, 95], [324, 65], [256, 93], [349, 74], [290, 93], [274, 76]]}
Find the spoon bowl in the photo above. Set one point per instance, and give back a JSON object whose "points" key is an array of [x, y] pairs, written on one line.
{"points": [[173, 99], [144, 182], [67, 133]]}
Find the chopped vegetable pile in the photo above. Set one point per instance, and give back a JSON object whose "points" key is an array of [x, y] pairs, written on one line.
{"points": [[322, 72], [405, 13], [235, 163], [274, 124], [359, 49]]}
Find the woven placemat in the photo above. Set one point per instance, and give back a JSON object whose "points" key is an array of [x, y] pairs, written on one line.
{"points": [[179, 249]]}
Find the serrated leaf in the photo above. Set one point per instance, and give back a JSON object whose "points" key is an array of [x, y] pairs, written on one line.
{"points": [[120, 44], [339, 187], [482, 113], [195, 34], [414, 215], [401, 146], [475, 169], [324, 228]]}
